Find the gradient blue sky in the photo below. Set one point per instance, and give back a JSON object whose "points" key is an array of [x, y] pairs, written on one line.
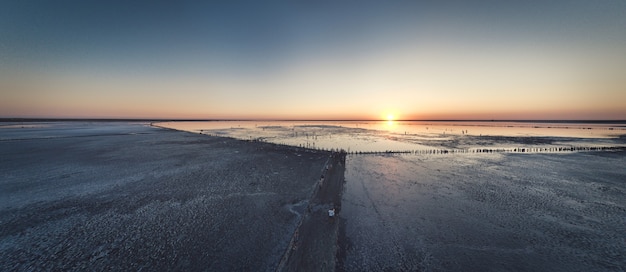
{"points": [[320, 60]]}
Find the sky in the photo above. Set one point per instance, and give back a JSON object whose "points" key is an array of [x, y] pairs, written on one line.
{"points": [[418, 60]]}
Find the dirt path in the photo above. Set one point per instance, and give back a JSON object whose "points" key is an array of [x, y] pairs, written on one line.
{"points": [[314, 244]]}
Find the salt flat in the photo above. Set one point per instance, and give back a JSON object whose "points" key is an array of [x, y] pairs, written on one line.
{"points": [[485, 212], [117, 196]]}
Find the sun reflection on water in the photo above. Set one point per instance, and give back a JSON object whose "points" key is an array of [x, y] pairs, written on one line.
{"points": [[393, 135]]}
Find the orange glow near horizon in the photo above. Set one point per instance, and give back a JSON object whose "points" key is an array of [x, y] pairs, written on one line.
{"points": [[337, 62], [326, 90]]}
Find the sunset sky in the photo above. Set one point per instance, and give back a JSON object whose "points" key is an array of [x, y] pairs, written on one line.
{"points": [[319, 60]]}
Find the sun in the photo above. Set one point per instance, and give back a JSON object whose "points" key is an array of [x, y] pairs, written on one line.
{"points": [[391, 118]]}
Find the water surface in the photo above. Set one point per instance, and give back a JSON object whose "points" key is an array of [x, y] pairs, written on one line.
{"points": [[399, 136]]}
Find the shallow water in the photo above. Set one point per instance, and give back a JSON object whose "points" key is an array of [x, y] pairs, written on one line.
{"points": [[411, 136]]}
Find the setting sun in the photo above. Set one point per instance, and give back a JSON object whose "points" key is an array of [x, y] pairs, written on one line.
{"points": [[414, 61], [390, 115]]}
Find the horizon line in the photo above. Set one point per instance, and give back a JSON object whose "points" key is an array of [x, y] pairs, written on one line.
{"points": [[29, 119]]}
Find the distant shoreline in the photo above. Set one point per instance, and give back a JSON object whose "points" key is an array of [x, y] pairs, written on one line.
{"points": [[12, 120]]}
